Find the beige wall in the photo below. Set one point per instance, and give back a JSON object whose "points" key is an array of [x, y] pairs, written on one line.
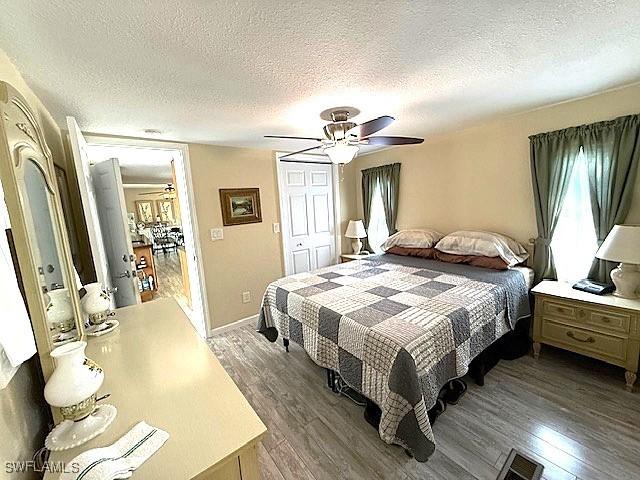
{"points": [[24, 416], [479, 177], [249, 257]]}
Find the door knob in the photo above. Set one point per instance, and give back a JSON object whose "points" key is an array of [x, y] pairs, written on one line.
{"points": [[298, 244], [125, 274]]}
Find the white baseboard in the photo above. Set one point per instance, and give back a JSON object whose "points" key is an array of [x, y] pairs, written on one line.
{"points": [[232, 326]]}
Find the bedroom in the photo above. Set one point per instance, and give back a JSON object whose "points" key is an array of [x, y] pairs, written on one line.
{"points": [[474, 81]]}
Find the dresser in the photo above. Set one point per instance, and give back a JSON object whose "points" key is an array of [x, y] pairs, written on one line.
{"points": [[158, 370], [605, 327]]}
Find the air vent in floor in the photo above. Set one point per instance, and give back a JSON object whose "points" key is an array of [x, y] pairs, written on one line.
{"points": [[520, 467]]}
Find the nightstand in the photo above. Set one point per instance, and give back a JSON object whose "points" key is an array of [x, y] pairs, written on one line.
{"points": [[349, 257], [605, 327]]}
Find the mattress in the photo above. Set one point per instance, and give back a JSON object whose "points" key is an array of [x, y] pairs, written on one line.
{"points": [[527, 273], [396, 329]]}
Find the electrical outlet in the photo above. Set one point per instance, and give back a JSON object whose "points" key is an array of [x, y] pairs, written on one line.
{"points": [[246, 297], [216, 234], [276, 228]]}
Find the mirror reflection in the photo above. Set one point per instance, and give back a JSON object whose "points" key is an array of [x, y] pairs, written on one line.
{"points": [[46, 246]]}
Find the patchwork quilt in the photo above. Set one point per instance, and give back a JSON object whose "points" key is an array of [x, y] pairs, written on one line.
{"points": [[396, 329]]}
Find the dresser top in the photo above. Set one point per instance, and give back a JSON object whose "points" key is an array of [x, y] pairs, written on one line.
{"points": [[158, 370], [564, 290]]}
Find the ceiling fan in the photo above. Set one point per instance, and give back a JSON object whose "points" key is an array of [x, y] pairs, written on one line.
{"points": [[168, 192], [343, 137]]}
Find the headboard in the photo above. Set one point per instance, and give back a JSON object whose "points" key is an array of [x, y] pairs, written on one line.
{"points": [[530, 246]]}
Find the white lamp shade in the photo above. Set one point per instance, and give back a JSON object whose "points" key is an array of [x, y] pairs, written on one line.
{"points": [[355, 229], [341, 153], [621, 245]]}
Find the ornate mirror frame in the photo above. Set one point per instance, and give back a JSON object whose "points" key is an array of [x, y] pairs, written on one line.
{"points": [[21, 140]]}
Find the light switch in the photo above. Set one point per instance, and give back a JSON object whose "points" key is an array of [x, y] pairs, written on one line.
{"points": [[276, 228], [216, 234]]}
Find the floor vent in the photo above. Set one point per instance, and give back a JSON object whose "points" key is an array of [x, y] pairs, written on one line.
{"points": [[520, 467]]}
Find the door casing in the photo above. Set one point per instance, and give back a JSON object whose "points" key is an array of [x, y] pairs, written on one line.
{"points": [[284, 220]]}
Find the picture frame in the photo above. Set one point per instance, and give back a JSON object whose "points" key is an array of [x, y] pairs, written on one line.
{"points": [[240, 206], [145, 211], [166, 211]]}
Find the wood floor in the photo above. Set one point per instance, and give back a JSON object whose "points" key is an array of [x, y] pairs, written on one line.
{"points": [[169, 276], [566, 411]]}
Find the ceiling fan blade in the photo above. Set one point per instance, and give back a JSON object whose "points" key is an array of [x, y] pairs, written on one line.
{"points": [[391, 140], [293, 138], [300, 151], [372, 126]]}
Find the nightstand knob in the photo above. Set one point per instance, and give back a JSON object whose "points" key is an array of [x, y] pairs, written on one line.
{"points": [[581, 313]]}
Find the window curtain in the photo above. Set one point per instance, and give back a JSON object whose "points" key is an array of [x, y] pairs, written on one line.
{"points": [[388, 179], [553, 156], [612, 150]]}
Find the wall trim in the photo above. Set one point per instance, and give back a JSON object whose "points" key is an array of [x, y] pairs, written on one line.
{"points": [[233, 325]]}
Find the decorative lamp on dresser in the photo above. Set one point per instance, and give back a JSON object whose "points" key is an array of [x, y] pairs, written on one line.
{"points": [[606, 327]]}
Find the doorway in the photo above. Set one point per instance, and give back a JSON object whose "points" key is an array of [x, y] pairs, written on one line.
{"points": [[159, 217]]}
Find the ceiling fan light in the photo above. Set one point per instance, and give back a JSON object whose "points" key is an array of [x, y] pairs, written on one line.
{"points": [[341, 153]]}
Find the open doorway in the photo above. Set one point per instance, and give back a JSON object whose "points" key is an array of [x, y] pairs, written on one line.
{"points": [[154, 220], [158, 215]]}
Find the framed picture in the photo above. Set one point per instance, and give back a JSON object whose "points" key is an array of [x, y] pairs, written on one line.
{"points": [[145, 211], [166, 211], [240, 206]]}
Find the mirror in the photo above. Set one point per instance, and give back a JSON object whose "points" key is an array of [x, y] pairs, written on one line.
{"points": [[56, 278], [38, 230]]}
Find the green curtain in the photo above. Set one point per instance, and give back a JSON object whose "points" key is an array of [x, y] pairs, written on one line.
{"points": [[553, 156], [390, 189], [369, 182], [387, 177], [612, 151]]}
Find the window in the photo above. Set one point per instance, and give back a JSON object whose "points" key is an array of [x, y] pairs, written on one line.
{"points": [[377, 232], [574, 242]]}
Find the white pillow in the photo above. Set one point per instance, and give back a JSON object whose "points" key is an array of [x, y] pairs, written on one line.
{"points": [[415, 238], [486, 244]]}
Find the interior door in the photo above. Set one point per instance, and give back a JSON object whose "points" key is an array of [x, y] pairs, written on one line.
{"points": [[308, 216], [107, 183], [88, 197]]}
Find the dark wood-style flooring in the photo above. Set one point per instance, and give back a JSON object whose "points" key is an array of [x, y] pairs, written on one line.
{"points": [[569, 412]]}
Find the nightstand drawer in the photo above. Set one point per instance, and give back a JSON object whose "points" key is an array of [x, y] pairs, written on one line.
{"points": [[585, 340], [557, 309], [616, 322]]}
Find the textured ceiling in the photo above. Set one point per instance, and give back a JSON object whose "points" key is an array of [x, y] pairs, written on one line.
{"points": [[137, 165], [228, 72]]}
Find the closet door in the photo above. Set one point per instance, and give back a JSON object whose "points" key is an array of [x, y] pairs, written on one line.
{"points": [[308, 219]]}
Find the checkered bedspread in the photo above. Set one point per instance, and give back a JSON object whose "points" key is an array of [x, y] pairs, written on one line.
{"points": [[396, 329]]}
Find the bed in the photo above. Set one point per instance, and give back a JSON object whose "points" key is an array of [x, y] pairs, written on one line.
{"points": [[397, 329]]}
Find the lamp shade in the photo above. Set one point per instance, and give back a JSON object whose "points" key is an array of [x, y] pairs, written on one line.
{"points": [[621, 245], [355, 229], [341, 153]]}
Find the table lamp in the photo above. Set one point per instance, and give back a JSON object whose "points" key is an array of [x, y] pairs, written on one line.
{"points": [[356, 230], [623, 245]]}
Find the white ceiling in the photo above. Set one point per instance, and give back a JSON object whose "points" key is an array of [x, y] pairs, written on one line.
{"points": [[229, 72], [137, 165]]}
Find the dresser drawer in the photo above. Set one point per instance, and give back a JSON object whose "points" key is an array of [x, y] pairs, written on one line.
{"points": [[557, 309], [585, 340], [613, 321]]}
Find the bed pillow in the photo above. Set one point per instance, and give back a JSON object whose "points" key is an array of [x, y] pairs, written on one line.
{"points": [[429, 253], [484, 244], [415, 238], [494, 263]]}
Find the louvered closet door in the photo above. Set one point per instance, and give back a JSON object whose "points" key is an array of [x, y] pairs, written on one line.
{"points": [[309, 218]]}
